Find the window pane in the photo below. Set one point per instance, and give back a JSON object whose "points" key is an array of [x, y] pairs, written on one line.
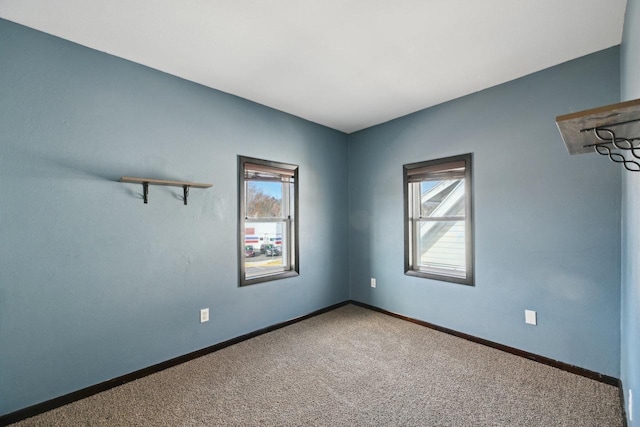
{"points": [[268, 201], [443, 198], [265, 250], [292, 197], [439, 219], [264, 199], [441, 247]]}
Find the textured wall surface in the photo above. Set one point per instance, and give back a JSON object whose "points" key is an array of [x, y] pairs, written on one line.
{"points": [[630, 315], [547, 225], [95, 284]]}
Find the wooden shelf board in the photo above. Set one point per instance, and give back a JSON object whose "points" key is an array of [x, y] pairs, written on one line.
{"points": [[134, 180], [572, 126]]}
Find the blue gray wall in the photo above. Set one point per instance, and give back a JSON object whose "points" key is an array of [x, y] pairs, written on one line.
{"points": [[93, 283], [630, 314], [547, 228]]}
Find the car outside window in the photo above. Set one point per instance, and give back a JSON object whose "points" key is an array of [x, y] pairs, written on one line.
{"points": [[268, 226]]}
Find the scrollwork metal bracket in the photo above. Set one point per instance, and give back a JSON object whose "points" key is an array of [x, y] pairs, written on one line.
{"points": [[608, 139]]}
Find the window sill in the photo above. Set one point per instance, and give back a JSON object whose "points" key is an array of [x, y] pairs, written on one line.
{"points": [[269, 278], [451, 279]]}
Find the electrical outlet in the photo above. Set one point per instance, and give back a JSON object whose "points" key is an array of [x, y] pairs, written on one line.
{"points": [[373, 282], [204, 315], [630, 406], [530, 317]]}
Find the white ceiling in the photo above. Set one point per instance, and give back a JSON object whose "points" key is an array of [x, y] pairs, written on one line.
{"points": [[346, 64]]}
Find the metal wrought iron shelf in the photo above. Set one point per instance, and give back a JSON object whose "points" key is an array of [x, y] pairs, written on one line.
{"points": [[150, 181], [613, 131]]}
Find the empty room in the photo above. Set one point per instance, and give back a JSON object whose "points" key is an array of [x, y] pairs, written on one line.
{"points": [[329, 213]]}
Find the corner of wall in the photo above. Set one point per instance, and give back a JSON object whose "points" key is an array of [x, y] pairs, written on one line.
{"points": [[630, 239]]}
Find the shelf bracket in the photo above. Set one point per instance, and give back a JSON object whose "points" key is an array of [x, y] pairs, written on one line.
{"points": [[145, 192], [600, 130], [607, 137], [149, 181], [185, 191]]}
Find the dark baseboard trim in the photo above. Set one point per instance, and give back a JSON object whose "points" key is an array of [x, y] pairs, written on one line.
{"points": [[57, 402], [541, 359]]}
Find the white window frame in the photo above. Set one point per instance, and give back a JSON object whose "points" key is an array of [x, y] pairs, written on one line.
{"points": [[413, 175], [289, 218]]}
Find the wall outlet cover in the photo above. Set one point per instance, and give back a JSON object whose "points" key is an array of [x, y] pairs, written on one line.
{"points": [[204, 315], [373, 282], [530, 317]]}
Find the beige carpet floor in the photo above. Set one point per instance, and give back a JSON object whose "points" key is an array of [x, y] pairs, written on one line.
{"points": [[350, 367]]}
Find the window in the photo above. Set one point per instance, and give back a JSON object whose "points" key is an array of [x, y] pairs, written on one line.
{"points": [[438, 219], [268, 222]]}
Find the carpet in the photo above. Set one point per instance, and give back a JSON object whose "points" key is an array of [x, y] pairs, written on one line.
{"points": [[350, 367]]}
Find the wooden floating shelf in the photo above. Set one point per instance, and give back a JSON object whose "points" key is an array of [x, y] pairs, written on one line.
{"points": [[577, 129], [613, 131], [151, 181], [133, 180]]}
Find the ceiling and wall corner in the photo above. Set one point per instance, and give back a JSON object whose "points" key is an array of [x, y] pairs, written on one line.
{"points": [[346, 65], [75, 120], [93, 282], [546, 228]]}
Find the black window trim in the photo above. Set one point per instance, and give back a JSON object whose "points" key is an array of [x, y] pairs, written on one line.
{"points": [[469, 223], [295, 261]]}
